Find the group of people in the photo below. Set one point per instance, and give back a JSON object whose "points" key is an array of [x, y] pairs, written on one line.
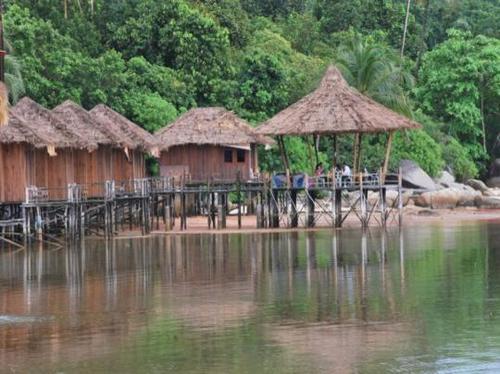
{"points": [[344, 171]]}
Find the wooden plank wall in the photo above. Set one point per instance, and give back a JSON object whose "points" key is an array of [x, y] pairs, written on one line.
{"points": [[204, 162], [13, 174], [22, 165]]}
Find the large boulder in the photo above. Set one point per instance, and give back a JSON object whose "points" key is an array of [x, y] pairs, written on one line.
{"points": [[494, 182], [445, 179], [443, 199], [391, 198], [488, 202], [415, 177], [477, 185], [447, 198]]}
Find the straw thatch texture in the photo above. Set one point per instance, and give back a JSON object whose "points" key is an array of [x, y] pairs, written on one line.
{"points": [[4, 105], [46, 125], [216, 126], [16, 131], [82, 123], [335, 108], [130, 135]]}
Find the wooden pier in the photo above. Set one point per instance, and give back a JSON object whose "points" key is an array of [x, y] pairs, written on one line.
{"points": [[163, 203]]}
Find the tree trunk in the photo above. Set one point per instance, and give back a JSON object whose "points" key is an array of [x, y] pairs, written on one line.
{"points": [[483, 123], [405, 30], [65, 4]]}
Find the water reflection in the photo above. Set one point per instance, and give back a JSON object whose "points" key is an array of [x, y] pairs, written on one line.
{"points": [[373, 297]]}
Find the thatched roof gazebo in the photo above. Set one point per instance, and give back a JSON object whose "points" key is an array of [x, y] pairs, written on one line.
{"points": [[127, 133], [336, 108], [199, 140]]}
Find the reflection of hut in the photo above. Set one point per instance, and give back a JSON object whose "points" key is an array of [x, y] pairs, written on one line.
{"points": [[53, 167], [335, 108], [208, 143], [134, 140], [16, 139]]}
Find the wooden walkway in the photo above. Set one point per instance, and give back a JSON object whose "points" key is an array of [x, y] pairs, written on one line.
{"points": [[145, 204]]}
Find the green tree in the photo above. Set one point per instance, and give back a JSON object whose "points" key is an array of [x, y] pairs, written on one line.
{"points": [[459, 84], [375, 70]]}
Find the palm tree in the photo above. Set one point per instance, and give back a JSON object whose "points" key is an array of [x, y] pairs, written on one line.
{"points": [[375, 70], [13, 76]]}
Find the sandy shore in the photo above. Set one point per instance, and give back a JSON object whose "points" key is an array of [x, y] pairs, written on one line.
{"points": [[412, 215]]}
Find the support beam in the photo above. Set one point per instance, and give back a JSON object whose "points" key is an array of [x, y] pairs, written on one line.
{"points": [[334, 152], [386, 157], [316, 148], [355, 154], [360, 142], [284, 156]]}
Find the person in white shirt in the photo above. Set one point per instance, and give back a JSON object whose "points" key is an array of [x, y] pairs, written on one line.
{"points": [[346, 175], [346, 171]]}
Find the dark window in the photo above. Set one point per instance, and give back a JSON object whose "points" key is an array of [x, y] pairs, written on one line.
{"points": [[240, 155], [228, 155]]}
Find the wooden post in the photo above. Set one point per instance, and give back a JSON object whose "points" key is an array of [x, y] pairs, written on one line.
{"points": [[274, 216], [363, 197], [400, 196], [332, 198], [294, 222], [183, 210], [360, 142], [259, 212], [221, 210], [311, 197], [334, 154], [284, 156], [316, 146], [238, 193], [382, 201], [355, 155], [338, 207], [386, 157]]}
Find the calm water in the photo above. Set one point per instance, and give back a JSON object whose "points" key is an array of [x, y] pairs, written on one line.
{"points": [[423, 300]]}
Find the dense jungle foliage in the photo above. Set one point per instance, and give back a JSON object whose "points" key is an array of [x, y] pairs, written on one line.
{"points": [[154, 59]]}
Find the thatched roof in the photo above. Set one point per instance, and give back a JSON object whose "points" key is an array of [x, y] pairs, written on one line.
{"points": [[216, 126], [129, 134], [335, 108], [82, 123], [16, 131], [46, 125]]}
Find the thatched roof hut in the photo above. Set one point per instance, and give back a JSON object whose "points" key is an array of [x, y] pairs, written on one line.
{"points": [[129, 134], [335, 108], [16, 131], [47, 126], [82, 123], [203, 126], [209, 143]]}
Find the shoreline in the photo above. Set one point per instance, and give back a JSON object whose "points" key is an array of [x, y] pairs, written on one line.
{"points": [[412, 215]]}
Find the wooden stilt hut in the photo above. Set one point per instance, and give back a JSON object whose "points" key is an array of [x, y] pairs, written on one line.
{"points": [[52, 167], [209, 144], [135, 142], [18, 142], [333, 109], [94, 167]]}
